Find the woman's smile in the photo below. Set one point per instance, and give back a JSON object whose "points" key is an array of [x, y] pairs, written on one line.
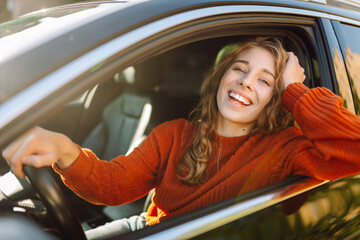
{"points": [[239, 98]]}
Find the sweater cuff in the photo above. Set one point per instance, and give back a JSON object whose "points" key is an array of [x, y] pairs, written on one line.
{"points": [[292, 93], [80, 169]]}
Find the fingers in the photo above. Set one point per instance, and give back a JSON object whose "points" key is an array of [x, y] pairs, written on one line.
{"points": [[39, 161], [293, 57], [11, 154], [14, 159], [10, 150], [33, 149], [293, 72], [18, 151]]}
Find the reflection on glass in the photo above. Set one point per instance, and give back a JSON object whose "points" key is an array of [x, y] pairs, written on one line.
{"points": [[342, 80], [351, 52], [330, 212], [333, 207], [352, 60], [41, 26]]}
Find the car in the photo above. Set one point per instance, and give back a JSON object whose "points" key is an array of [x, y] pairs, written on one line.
{"points": [[105, 73]]}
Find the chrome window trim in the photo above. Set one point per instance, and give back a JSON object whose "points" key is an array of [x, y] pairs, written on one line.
{"points": [[345, 20], [23, 101], [217, 219]]}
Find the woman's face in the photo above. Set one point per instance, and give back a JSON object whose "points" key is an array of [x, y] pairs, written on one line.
{"points": [[245, 89]]}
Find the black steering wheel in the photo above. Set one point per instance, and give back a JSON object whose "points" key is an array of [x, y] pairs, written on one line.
{"points": [[55, 201]]}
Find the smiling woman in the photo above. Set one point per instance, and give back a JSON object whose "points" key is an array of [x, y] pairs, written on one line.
{"points": [[240, 139], [245, 89], [254, 70], [241, 96]]}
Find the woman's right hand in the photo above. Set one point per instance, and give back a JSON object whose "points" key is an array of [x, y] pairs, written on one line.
{"points": [[39, 147], [293, 72]]}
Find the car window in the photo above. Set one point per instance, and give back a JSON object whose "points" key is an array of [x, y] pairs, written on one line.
{"points": [[57, 17], [18, 25], [351, 52], [40, 28]]}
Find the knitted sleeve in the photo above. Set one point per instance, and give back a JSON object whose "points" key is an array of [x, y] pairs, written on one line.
{"points": [[330, 145], [121, 180]]}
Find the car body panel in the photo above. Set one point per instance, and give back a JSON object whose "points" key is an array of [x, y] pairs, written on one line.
{"points": [[327, 212]]}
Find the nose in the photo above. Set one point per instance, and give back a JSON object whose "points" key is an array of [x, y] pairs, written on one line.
{"points": [[247, 82]]}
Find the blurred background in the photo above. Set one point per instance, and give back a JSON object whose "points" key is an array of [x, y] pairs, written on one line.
{"points": [[11, 9]]}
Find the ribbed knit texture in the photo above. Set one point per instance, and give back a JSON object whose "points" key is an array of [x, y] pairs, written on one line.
{"points": [[326, 147]]}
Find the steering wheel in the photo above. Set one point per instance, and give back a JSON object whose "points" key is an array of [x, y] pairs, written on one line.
{"points": [[54, 199]]}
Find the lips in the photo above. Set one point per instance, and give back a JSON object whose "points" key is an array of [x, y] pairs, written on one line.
{"points": [[240, 98]]}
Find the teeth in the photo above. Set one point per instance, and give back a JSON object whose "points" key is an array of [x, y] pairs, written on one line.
{"points": [[240, 98]]}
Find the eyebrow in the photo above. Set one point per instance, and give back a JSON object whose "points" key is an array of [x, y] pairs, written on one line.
{"points": [[264, 70]]}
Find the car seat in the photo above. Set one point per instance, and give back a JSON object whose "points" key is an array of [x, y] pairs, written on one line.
{"points": [[123, 122], [121, 129]]}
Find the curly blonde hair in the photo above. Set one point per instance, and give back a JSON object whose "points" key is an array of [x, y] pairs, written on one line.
{"points": [[192, 169]]}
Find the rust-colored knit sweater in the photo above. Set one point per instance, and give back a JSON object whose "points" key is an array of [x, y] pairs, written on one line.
{"points": [[326, 147]]}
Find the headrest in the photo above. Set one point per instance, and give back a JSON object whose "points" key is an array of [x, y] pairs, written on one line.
{"points": [[126, 77], [224, 51], [183, 73], [125, 105]]}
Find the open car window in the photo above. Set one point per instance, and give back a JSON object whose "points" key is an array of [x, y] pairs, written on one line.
{"points": [[170, 81]]}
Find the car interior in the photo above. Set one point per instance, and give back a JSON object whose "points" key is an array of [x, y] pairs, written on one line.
{"points": [[117, 114]]}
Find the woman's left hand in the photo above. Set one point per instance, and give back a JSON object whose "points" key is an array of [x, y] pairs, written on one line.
{"points": [[293, 71]]}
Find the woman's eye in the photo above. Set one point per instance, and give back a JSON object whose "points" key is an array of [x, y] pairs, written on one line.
{"points": [[264, 81], [239, 70]]}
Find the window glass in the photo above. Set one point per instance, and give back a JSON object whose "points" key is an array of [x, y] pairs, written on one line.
{"points": [[40, 26], [351, 51]]}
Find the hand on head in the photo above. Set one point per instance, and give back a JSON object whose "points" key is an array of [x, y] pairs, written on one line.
{"points": [[39, 147], [293, 71]]}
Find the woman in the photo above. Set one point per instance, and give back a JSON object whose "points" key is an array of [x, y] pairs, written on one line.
{"points": [[242, 142]]}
